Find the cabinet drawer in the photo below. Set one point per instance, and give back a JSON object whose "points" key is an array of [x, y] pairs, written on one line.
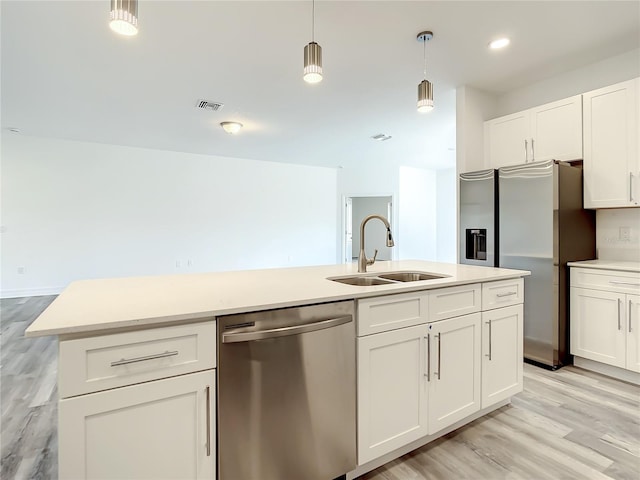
{"points": [[109, 361], [454, 301], [611, 280], [503, 293], [380, 314]]}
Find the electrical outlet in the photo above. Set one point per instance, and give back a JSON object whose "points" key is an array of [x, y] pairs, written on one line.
{"points": [[21, 270], [624, 234], [189, 263], [178, 264]]}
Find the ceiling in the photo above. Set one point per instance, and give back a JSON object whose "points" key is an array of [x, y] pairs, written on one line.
{"points": [[65, 74]]}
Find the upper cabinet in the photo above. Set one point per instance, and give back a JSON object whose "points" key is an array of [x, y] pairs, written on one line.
{"points": [[611, 146], [550, 131]]}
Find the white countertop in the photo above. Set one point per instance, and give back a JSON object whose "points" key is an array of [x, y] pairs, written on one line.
{"points": [[98, 305], [619, 265]]}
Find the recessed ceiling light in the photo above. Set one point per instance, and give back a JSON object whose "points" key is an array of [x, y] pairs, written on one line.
{"points": [[231, 127], [499, 43], [13, 129]]}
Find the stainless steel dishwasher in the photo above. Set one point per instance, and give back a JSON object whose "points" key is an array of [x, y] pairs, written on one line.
{"points": [[287, 393]]}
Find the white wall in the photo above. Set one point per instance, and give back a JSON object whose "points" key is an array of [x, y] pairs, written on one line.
{"points": [[596, 75], [473, 107], [75, 210], [608, 242], [417, 223], [446, 215]]}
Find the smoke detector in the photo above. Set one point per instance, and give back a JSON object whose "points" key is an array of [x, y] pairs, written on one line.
{"points": [[209, 105]]}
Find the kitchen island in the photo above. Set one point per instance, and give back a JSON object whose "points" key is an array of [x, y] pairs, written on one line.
{"points": [[138, 358]]}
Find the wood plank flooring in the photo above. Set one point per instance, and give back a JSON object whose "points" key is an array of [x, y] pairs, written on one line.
{"points": [[568, 424]]}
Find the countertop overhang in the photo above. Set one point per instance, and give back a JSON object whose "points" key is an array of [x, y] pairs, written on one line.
{"points": [[96, 306]]}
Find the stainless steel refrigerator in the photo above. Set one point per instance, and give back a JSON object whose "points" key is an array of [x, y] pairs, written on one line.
{"points": [[542, 226], [478, 241]]}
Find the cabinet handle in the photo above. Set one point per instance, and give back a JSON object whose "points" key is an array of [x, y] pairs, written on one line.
{"points": [[533, 153], [630, 187], [428, 374], [525, 151], [619, 324], [507, 294], [126, 361], [208, 395], [489, 323], [439, 335], [630, 310], [616, 282]]}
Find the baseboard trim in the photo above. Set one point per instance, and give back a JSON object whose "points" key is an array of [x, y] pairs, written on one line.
{"points": [[30, 292], [608, 370]]}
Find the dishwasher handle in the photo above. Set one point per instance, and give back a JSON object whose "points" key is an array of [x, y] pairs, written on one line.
{"points": [[284, 331]]}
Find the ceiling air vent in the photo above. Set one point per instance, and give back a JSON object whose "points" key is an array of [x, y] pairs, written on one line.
{"points": [[207, 105], [381, 137]]}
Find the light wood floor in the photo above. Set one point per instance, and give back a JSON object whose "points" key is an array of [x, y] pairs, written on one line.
{"points": [[568, 424]]}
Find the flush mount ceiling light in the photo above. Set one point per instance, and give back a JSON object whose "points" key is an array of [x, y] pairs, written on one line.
{"points": [[425, 88], [499, 43], [124, 17], [231, 127], [313, 54]]}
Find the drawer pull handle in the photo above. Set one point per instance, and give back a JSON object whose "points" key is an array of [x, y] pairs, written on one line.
{"points": [[208, 399], [507, 294], [616, 282], [126, 361]]}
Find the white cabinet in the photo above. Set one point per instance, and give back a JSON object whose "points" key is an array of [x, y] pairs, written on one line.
{"points": [[502, 354], [454, 374], [550, 131], [392, 407], [506, 140], [157, 430], [605, 323], [597, 330], [139, 404], [611, 146], [415, 380]]}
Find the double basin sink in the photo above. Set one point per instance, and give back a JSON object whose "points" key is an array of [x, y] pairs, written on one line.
{"points": [[388, 278]]}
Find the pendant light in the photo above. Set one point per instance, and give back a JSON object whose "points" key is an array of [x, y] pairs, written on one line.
{"points": [[313, 54], [124, 17], [425, 88]]}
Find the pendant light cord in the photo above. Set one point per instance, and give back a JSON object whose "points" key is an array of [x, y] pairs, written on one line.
{"points": [[313, 21], [425, 57]]}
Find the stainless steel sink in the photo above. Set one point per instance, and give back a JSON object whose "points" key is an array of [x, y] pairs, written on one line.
{"points": [[410, 276], [386, 278], [362, 281]]}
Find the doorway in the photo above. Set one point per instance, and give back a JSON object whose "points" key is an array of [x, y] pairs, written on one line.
{"points": [[356, 209]]}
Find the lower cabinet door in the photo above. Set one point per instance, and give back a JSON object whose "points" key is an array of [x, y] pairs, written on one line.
{"points": [[454, 377], [164, 429], [597, 326], [502, 355], [392, 406], [633, 332]]}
